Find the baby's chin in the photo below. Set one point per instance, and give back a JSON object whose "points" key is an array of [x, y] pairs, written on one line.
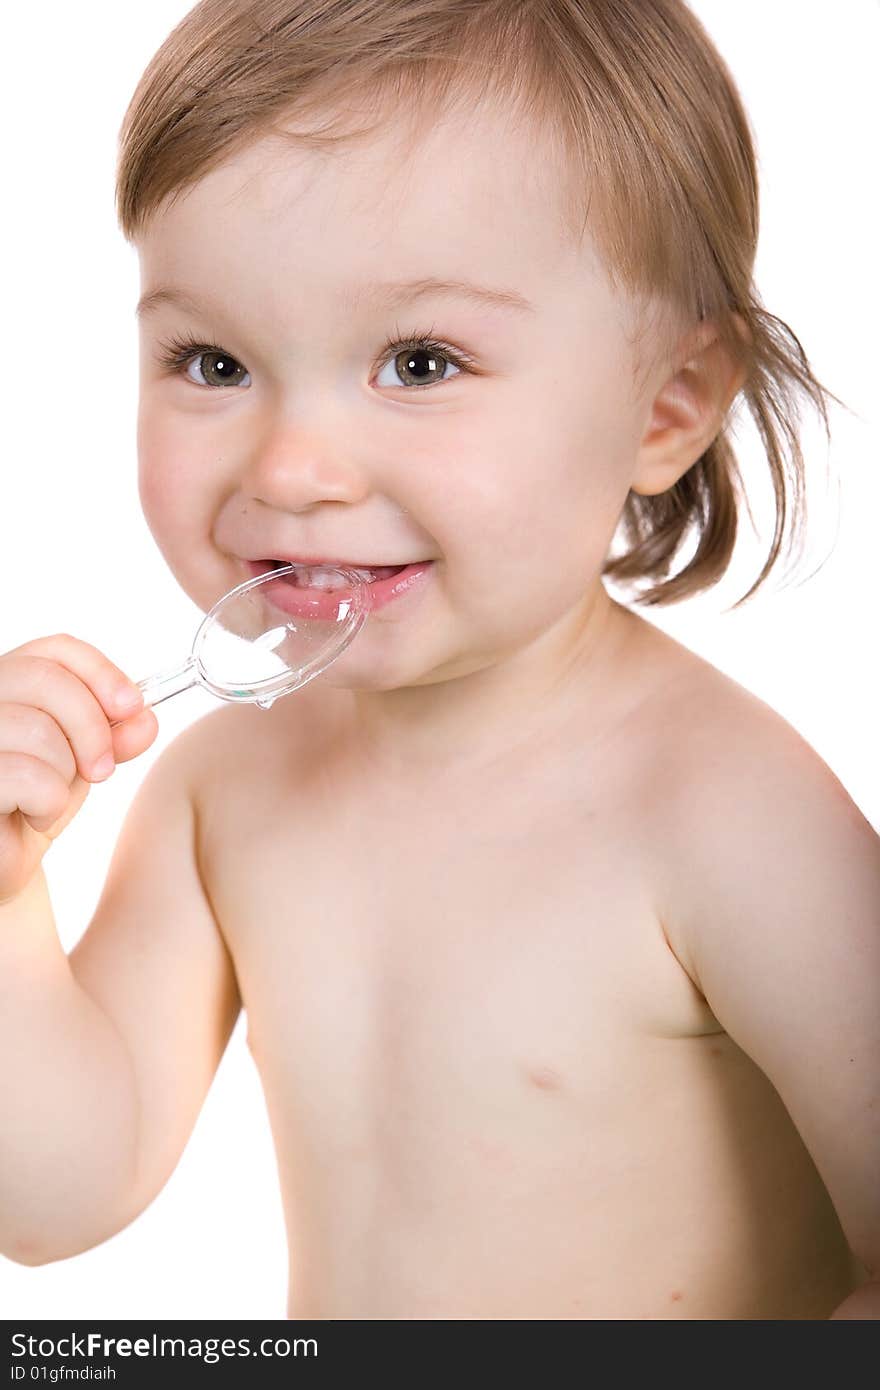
{"points": [[365, 684], [390, 681]]}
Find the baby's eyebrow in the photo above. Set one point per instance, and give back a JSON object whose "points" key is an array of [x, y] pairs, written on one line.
{"points": [[395, 292], [164, 294], [390, 293]]}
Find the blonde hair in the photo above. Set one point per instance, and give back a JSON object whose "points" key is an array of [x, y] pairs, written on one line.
{"points": [[653, 134]]}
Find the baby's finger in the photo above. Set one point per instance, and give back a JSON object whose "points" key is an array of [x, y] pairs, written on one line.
{"points": [[117, 695], [32, 787], [134, 735], [26, 729], [38, 683]]}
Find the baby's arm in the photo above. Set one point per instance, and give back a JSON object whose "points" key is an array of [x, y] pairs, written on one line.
{"points": [[776, 915], [106, 1055]]}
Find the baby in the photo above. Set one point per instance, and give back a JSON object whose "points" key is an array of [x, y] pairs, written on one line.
{"points": [[559, 949]]}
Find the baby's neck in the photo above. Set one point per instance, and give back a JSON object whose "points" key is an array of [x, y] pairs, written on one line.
{"points": [[485, 717]]}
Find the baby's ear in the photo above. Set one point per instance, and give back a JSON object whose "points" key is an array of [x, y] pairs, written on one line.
{"points": [[688, 411]]}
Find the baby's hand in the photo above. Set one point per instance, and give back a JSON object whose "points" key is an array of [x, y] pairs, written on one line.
{"points": [[58, 698]]}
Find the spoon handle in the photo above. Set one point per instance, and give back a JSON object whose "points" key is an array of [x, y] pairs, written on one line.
{"points": [[167, 683]]}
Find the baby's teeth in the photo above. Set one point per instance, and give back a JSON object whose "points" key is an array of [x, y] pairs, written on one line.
{"points": [[325, 579]]}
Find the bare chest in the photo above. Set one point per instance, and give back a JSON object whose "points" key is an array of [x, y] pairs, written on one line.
{"points": [[474, 1040], [500, 934]]}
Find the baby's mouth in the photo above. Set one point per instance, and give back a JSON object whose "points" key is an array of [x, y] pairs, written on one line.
{"points": [[327, 578]]}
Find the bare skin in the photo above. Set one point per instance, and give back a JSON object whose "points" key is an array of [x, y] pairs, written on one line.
{"points": [[494, 1089], [557, 947]]}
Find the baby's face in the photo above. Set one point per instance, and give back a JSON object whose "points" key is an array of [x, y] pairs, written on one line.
{"points": [[504, 454]]}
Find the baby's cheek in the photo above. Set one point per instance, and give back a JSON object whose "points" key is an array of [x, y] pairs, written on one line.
{"points": [[168, 476], [155, 491]]}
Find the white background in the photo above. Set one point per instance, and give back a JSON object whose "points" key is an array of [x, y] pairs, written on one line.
{"points": [[76, 554]]}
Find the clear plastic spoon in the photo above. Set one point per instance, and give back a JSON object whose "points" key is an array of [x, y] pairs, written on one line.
{"points": [[267, 638]]}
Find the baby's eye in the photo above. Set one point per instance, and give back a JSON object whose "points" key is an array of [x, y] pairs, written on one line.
{"points": [[212, 365], [216, 368], [419, 363]]}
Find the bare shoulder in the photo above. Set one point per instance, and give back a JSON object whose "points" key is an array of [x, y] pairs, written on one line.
{"points": [[709, 736], [217, 741], [727, 751], [218, 749], [739, 803], [240, 751]]}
